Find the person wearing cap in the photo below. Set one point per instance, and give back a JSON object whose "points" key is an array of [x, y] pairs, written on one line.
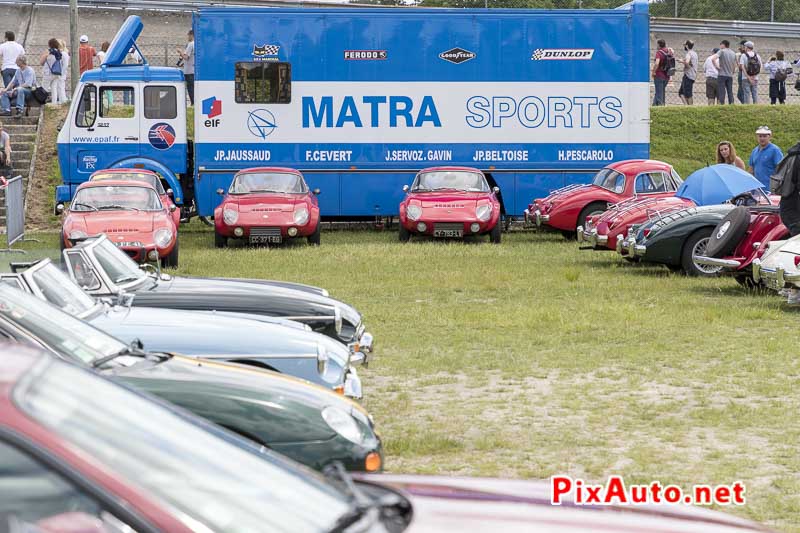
{"points": [[750, 65], [690, 63], [10, 50], [711, 73], [725, 63], [86, 55], [764, 157]]}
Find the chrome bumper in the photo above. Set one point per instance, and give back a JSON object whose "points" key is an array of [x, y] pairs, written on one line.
{"points": [[361, 349], [634, 250], [776, 278], [591, 237], [540, 219], [352, 385], [716, 261]]}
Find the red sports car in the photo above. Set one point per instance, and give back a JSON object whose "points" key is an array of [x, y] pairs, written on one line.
{"points": [[567, 208], [130, 213], [147, 176], [450, 202], [267, 206]]}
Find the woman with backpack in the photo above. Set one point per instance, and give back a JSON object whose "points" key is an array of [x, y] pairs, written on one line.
{"points": [[52, 69], [779, 70]]}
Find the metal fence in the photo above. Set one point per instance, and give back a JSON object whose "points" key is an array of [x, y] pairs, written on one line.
{"points": [[15, 212]]}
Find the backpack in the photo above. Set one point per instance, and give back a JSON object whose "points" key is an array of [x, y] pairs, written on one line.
{"points": [[667, 64], [55, 68], [782, 73], [784, 181], [753, 65]]}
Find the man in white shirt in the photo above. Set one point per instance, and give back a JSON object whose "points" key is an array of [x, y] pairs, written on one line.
{"points": [[10, 51], [711, 73], [187, 57]]}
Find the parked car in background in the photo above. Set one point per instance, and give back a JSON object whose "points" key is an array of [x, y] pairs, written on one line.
{"points": [[740, 238], [130, 213], [308, 423], [267, 205], [567, 208], [451, 202], [292, 350], [102, 270], [145, 176]]}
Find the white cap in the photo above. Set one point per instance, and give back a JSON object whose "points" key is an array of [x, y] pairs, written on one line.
{"points": [[84, 39], [763, 130]]}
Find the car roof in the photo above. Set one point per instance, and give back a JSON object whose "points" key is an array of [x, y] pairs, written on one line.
{"points": [[285, 170], [123, 171], [15, 361], [450, 168], [630, 166], [121, 183]]}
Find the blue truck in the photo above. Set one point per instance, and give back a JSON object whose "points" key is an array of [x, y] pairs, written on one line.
{"points": [[360, 100]]}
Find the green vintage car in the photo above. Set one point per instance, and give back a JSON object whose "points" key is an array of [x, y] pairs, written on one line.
{"points": [[305, 422]]}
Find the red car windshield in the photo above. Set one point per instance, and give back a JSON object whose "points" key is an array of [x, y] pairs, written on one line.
{"points": [[114, 197], [450, 179], [610, 179], [280, 182], [132, 176]]}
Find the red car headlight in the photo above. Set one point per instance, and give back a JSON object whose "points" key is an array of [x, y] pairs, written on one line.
{"points": [[162, 237]]}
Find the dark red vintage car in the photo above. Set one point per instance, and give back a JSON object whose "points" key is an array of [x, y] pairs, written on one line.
{"points": [[450, 202], [147, 176], [567, 208], [267, 205], [741, 237], [130, 213]]}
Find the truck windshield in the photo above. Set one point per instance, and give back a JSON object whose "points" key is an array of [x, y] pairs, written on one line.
{"points": [[217, 481], [131, 176], [61, 291], [610, 179], [281, 182], [68, 335], [120, 268], [449, 179], [116, 197]]}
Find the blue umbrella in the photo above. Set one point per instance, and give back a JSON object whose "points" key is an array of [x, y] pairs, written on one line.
{"points": [[716, 184]]}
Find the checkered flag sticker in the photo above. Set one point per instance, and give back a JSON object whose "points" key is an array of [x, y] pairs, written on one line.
{"points": [[266, 50], [537, 54]]}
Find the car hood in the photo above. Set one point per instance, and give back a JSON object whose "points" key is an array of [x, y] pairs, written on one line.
{"points": [[491, 505], [114, 223], [782, 254], [272, 407], [681, 217], [449, 199], [266, 202]]}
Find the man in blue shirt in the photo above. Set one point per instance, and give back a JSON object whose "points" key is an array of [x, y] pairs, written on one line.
{"points": [[21, 86], [764, 157]]}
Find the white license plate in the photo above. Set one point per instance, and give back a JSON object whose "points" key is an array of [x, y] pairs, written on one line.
{"points": [[129, 244], [265, 239], [448, 233]]}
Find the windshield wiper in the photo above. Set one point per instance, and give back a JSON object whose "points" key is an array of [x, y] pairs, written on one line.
{"points": [[116, 206], [126, 279], [93, 208], [135, 349]]}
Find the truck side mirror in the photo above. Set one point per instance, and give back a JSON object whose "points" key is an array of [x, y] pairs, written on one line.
{"points": [[60, 125], [316, 192], [59, 209], [220, 192], [405, 188], [496, 189], [170, 193]]}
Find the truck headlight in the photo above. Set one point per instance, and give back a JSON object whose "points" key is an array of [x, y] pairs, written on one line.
{"points": [[342, 423], [322, 359], [413, 212], [162, 237], [301, 216], [483, 212], [230, 216]]}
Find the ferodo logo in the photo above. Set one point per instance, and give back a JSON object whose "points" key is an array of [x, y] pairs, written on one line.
{"points": [[457, 55], [550, 54]]}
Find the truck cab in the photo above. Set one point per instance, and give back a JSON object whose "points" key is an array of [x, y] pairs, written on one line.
{"points": [[126, 116]]}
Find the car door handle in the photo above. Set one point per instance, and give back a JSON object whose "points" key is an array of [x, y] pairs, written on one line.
{"points": [[131, 138]]}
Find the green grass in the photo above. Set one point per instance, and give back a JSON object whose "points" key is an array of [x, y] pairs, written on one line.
{"points": [[534, 358]]}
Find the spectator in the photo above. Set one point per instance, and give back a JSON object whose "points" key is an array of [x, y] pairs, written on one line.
{"points": [[187, 56], [101, 55], [62, 81], [725, 63], [10, 50], [21, 86], [778, 70], [690, 62], [5, 152], [86, 55], [52, 70], [750, 65], [663, 67], [765, 157], [133, 57], [711, 73], [726, 153], [790, 195], [739, 89]]}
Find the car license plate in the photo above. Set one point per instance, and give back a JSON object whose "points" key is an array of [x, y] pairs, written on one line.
{"points": [[265, 239], [132, 244], [448, 233]]}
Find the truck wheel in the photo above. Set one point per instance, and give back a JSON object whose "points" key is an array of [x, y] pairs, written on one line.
{"points": [[494, 236], [220, 241], [729, 232], [594, 208], [171, 261], [207, 220], [696, 245], [314, 238], [405, 235]]}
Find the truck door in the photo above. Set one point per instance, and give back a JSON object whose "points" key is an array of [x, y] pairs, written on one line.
{"points": [[162, 128], [106, 126]]}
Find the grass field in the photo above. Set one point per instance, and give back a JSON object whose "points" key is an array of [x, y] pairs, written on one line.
{"points": [[533, 358]]}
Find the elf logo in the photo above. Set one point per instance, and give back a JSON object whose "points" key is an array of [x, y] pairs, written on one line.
{"points": [[212, 108]]}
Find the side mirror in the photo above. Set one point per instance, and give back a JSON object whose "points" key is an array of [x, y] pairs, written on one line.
{"points": [[172, 208], [405, 188], [170, 193], [60, 125], [316, 192], [496, 189], [59, 208], [220, 192]]}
